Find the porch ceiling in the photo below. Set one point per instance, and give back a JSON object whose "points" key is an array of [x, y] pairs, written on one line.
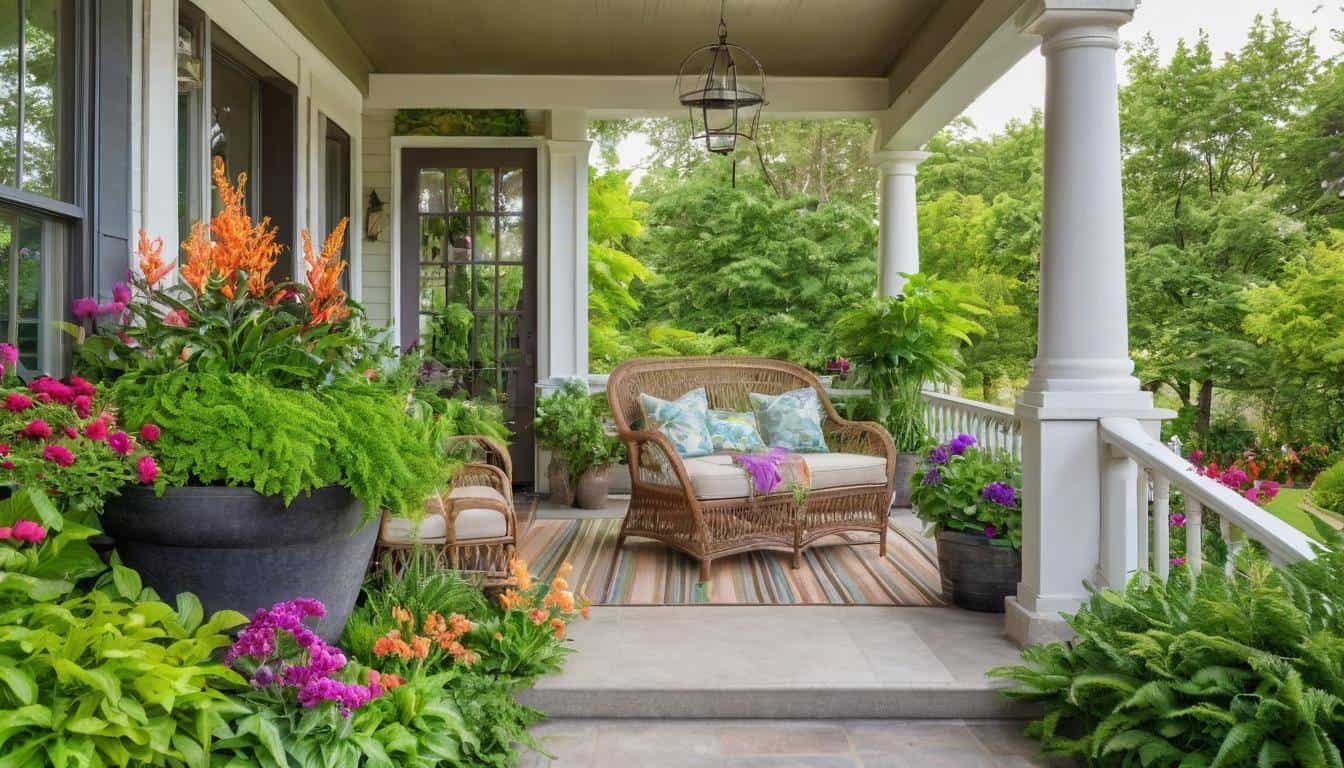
{"points": [[793, 38]]}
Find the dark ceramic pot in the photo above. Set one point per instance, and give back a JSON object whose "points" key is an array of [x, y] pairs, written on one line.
{"points": [[976, 575], [235, 548], [906, 463]]}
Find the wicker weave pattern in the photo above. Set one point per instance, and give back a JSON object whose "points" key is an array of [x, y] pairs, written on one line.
{"points": [[663, 506]]}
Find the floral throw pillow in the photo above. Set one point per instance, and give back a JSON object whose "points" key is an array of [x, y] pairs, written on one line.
{"points": [[791, 420], [684, 421], [734, 431]]}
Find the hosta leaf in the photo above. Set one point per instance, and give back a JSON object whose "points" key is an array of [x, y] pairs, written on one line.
{"points": [[19, 681]]}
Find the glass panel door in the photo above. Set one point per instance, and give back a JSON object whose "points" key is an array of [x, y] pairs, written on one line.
{"points": [[468, 264]]}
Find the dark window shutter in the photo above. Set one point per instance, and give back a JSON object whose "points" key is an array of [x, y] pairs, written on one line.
{"points": [[111, 161]]}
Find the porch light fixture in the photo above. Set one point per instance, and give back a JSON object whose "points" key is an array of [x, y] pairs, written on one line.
{"points": [[723, 87]]}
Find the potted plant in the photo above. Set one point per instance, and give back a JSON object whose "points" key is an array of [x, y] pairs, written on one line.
{"points": [[278, 444], [569, 422], [970, 500], [902, 344]]}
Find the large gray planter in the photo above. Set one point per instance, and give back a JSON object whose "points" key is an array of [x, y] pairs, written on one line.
{"points": [[976, 575], [906, 463], [235, 548]]}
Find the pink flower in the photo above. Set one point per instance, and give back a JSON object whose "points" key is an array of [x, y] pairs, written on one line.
{"points": [[82, 387], [27, 530], [9, 354], [4, 449], [147, 469], [6, 533], [119, 442], [6, 465], [16, 402], [1196, 456], [1177, 520], [82, 405], [1252, 495], [149, 433], [85, 307], [177, 317], [58, 454], [121, 293], [70, 432], [1178, 561], [1268, 489], [37, 429], [53, 390], [111, 308], [96, 430]]}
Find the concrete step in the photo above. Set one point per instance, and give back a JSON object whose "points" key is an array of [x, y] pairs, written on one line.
{"points": [[790, 662]]}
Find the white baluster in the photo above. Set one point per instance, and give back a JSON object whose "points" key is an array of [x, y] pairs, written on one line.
{"points": [[1144, 524], [1194, 534], [1162, 525]]}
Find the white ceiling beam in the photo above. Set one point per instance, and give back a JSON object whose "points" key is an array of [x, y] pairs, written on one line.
{"points": [[618, 96]]}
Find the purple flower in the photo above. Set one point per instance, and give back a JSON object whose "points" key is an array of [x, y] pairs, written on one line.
{"points": [[991, 531], [1002, 494], [938, 456], [262, 677], [960, 443], [933, 477], [1177, 520]]}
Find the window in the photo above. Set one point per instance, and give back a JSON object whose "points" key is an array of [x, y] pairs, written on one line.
{"points": [[336, 188], [36, 87]]}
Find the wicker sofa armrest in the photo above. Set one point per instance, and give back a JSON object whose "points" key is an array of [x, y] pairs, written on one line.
{"points": [[653, 461], [491, 450], [863, 437], [487, 475]]}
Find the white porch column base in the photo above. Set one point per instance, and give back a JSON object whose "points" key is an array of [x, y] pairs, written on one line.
{"points": [[1026, 627], [898, 227]]}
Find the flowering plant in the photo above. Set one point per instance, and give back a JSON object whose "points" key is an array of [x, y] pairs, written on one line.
{"points": [[288, 661], [406, 649], [224, 313], [971, 491], [1244, 480], [524, 638], [60, 439]]}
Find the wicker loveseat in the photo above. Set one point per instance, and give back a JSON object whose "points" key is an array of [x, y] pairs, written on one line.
{"points": [[705, 506]]}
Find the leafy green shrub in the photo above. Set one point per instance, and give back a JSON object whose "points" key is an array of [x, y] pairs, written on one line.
{"points": [[968, 490], [243, 431], [901, 344], [1226, 671], [569, 422], [1328, 490]]}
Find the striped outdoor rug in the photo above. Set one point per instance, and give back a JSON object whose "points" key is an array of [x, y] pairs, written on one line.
{"points": [[838, 570]]}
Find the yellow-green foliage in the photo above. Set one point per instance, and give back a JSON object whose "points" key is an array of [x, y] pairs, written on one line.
{"points": [[1328, 490], [238, 430]]}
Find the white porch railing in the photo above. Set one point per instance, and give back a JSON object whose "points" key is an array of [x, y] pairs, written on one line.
{"points": [[994, 428], [1138, 480]]}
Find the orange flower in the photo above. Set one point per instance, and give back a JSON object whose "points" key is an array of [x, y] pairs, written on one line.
{"points": [[459, 624], [390, 681], [152, 265], [200, 257], [327, 301], [558, 627], [434, 623], [460, 653], [512, 599], [499, 637], [236, 244], [391, 643], [585, 610], [558, 584], [538, 616], [420, 647], [520, 574], [563, 600], [402, 616], [564, 571]]}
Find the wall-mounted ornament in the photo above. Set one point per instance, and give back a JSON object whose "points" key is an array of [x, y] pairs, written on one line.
{"points": [[375, 217]]}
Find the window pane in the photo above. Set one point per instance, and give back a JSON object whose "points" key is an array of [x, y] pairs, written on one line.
{"points": [[459, 238], [430, 193], [431, 238], [483, 183], [9, 91], [510, 238], [432, 283], [48, 76], [510, 287], [32, 253], [459, 189], [511, 189], [233, 110], [483, 239]]}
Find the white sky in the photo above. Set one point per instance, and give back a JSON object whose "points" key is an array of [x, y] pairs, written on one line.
{"points": [[1022, 88]]}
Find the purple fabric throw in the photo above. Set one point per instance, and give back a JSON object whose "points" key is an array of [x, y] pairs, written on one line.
{"points": [[763, 468]]}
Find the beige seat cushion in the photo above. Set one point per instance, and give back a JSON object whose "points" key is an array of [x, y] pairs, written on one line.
{"points": [[717, 477], [477, 523]]}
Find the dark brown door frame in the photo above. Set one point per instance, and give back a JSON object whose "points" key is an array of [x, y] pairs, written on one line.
{"points": [[521, 402]]}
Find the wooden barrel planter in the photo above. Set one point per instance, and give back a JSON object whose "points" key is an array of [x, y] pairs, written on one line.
{"points": [[237, 549], [976, 575]]}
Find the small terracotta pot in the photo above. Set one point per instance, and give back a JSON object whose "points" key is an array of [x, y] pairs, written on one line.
{"points": [[593, 487], [558, 475], [905, 469]]}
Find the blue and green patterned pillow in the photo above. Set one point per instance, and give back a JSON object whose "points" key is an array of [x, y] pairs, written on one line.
{"points": [[791, 420], [684, 421], [734, 431]]}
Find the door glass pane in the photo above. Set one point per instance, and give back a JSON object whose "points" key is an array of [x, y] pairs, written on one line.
{"points": [[459, 189], [9, 91], [233, 99], [510, 287], [459, 238], [483, 185], [431, 238], [46, 79], [431, 191], [511, 189], [483, 239], [432, 284], [510, 238], [485, 287], [484, 339]]}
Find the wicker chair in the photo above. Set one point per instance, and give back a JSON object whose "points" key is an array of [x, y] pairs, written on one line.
{"points": [[473, 527], [705, 507]]}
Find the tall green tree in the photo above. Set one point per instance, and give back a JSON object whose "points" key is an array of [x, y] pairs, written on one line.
{"points": [[613, 223]]}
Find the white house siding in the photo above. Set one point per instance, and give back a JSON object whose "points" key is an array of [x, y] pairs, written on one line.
{"points": [[377, 267]]}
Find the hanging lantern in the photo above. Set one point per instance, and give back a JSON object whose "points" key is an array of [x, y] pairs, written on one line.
{"points": [[723, 87]]}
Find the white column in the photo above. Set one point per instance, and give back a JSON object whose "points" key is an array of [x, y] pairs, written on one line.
{"points": [[898, 227], [1082, 369], [565, 336]]}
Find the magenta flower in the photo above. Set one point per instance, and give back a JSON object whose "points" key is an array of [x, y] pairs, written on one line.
{"points": [[82, 387], [121, 293], [85, 307], [37, 429], [9, 354], [27, 530], [119, 442], [96, 430], [149, 433], [111, 308], [147, 470], [16, 402], [991, 531], [1268, 489], [177, 317], [6, 533], [83, 404], [70, 432], [48, 389], [58, 454], [1177, 520], [1178, 561]]}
